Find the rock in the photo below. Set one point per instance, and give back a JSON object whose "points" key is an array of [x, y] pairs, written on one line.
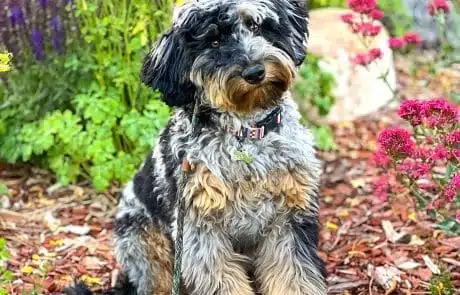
{"points": [[425, 24], [358, 90]]}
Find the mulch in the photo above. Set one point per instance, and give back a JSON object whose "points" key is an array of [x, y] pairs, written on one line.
{"points": [[59, 233]]}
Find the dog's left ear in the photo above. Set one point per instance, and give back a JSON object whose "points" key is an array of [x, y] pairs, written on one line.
{"points": [[299, 22], [167, 69]]}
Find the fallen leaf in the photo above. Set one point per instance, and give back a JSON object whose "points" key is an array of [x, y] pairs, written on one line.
{"points": [[331, 225], [392, 235], [91, 280], [431, 265]]}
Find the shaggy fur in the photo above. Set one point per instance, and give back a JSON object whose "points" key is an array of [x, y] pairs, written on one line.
{"points": [[251, 226]]}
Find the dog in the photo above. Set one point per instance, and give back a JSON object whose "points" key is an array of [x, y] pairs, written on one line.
{"points": [[251, 206]]}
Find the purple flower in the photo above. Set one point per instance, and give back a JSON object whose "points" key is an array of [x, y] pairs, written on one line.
{"points": [[56, 40], [16, 15], [43, 4], [37, 44]]}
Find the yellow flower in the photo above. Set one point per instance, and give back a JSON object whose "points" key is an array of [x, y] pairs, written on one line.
{"points": [[27, 270], [5, 59]]}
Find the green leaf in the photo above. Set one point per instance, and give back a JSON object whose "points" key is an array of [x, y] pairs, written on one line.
{"points": [[4, 189]]}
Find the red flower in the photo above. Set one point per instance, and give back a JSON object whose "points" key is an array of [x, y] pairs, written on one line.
{"points": [[411, 111], [381, 159], [440, 153], [375, 53], [396, 142], [377, 14], [439, 113], [437, 6], [347, 18], [367, 29], [414, 169], [362, 6], [455, 182], [362, 59], [452, 139], [450, 193], [412, 38], [397, 43]]}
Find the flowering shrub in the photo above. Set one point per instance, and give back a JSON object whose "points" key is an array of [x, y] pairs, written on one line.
{"points": [[424, 163]]}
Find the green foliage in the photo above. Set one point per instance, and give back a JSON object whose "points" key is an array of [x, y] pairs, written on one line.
{"points": [[3, 189], [86, 115], [397, 20], [313, 91], [326, 3], [441, 284], [324, 138], [6, 276], [314, 86]]}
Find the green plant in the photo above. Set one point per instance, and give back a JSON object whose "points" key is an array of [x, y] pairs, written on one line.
{"points": [[313, 90], [86, 115], [326, 3], [6, 276], [397, 19], [441, 284]]}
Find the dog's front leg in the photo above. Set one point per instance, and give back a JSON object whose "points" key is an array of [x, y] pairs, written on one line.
{"points": [[287, 262], [210, 265]]}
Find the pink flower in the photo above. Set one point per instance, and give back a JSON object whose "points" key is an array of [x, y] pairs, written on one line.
{"points": [[377, 14], [396, 142], [440, 153], [452, 139], [397, 43], [411, 111], [362, 6], [362, 59], [457, 216], [382, 188], [455, 181], [412, 38], [381, 159], [347, 18], [439, 113], [422, 153], [367, 29], [414, 169], [437, 6], [375, 53], [450, 193]]}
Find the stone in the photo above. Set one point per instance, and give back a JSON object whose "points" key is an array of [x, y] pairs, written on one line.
{"points": [[425, 24], [358, 91]]}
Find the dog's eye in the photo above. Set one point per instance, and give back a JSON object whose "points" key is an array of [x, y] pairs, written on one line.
{"points": [[215, 44]]}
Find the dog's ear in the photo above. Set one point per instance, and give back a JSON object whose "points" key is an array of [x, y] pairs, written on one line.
{"points": [[167, 69], [298, 18]]}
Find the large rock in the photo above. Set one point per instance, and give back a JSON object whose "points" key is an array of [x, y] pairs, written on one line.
{"points": [[358, 91], [426, 26]]}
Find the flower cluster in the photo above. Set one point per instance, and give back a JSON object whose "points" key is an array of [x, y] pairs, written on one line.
{"points": [[366, 26], [424, 161], [409, 39], [435, 113], [438, 6]]}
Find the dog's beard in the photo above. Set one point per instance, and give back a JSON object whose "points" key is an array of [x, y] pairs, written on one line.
{"points": [[228, 91]]}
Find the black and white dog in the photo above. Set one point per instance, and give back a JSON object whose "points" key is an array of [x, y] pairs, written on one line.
{"points": [[251, 221]]}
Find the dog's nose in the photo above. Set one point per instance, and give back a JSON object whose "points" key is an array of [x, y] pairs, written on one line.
{"points": [[254, 74]]}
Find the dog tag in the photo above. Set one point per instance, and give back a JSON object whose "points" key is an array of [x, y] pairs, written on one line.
{"points": [[243, 156]]}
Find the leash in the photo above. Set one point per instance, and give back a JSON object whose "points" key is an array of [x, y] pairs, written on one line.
{"points": [[179, 243]]}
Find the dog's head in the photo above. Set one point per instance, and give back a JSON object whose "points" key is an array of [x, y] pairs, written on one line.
{"points": [[241, 54]]}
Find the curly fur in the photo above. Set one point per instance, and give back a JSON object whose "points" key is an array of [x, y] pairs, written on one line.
{"points": [[250, 227]]}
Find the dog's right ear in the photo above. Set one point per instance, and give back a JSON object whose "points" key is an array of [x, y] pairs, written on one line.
{"points": [[166, 68]]}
